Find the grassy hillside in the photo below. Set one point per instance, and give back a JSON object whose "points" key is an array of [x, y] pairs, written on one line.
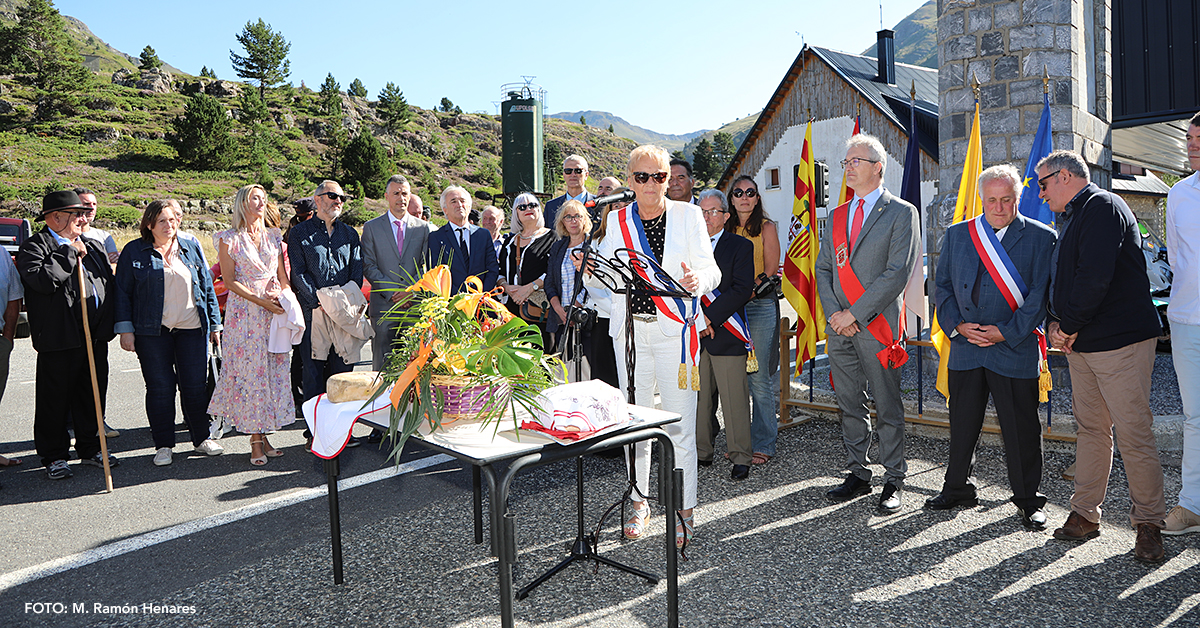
{"points": [[738, 129], [916, 37], [621, 128]]}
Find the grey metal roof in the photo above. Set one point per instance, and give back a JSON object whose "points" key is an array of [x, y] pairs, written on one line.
{"points": [[1147, 184], [861, 71], [1158, 146]]}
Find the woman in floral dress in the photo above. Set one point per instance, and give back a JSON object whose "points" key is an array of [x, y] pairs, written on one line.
{"points": [[252, 392]]}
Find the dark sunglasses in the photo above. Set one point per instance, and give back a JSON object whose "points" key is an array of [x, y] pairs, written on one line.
{"points": [[526, 206], [572, 170], [1042, 181], [642, 177], [334, 196], [748, 192]]}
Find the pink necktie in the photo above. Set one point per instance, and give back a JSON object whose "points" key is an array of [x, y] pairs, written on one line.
{"points": [[856, 222], [399, 236]]}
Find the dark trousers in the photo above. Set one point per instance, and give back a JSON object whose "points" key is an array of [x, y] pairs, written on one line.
{"points": [[598, 347], [64, 392], [174, 358], [316, 372], [1016, 403]]}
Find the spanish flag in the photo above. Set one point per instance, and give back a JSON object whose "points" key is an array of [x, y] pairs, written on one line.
{"points": [[968, 206], [799, 283]]}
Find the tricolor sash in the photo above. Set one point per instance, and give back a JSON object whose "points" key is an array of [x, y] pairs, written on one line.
{"points": [[1002, 270], [634, 236], [736, 324], [893, 355]]}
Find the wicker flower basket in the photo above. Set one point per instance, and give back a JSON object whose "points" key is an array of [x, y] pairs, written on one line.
{"points": [[466, 398]]}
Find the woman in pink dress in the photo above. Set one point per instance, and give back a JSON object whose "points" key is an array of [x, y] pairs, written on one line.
{"points": [[252, 392]]}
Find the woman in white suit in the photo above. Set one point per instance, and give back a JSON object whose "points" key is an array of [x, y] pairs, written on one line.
{"points": [[673, 234]]}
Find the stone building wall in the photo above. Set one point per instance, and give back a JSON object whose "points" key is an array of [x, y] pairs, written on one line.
{"points": [[1007, 45]]}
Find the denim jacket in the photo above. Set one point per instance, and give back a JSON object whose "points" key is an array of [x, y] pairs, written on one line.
{"points": [[139, 294]]}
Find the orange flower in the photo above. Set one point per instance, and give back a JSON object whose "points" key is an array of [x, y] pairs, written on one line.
{"points": [[435, 280]]}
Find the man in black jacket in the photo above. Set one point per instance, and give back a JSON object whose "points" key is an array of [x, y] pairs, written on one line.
{"points": [[723, 355], [1102, 317], [48, 266]]}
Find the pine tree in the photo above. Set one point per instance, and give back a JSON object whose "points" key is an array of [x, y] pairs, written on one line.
{"points": [[337, 140], [150, 60], [703, 165], [357, 89], [202, 134], [331, 96], [610, 130], [392, 108], [366, 163], [207, 73], [254, 109], [266, 56], [582, 120], [446, 106], [38, 43], [723, 150]]}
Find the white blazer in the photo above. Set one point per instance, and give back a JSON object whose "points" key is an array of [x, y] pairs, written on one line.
{"points": [[686, 241]]}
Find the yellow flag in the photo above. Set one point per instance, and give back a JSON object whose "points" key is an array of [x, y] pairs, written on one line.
{"points": [[799, 281], [967, 206]]}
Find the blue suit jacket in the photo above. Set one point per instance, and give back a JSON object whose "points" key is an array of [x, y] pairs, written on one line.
{"points": [[1030, 245], [735, 258], [444, 249]]}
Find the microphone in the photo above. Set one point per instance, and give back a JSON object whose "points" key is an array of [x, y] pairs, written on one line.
{"points": [[620, 197]]}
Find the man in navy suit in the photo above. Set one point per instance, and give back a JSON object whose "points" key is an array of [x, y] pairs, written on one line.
{"points": [[994, 349], [723, 355], [446, 245], [575, 172]]}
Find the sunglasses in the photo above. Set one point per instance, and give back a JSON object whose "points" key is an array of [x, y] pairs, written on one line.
{"points": [[713, 212], [1042, 181], [572, 170], [526, 206], [642, 177], [748, 192], [334, 196]]}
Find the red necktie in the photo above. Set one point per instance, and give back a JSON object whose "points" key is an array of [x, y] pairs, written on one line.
{"points": [[399, 236], [856, 224]]}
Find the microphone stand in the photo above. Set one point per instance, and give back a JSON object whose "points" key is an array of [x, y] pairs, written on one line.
{"points": [[612, 272]]}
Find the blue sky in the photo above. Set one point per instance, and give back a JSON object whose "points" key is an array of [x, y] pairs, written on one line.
{"points": [[672, 67]]}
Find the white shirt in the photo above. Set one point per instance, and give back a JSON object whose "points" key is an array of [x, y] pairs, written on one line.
{"points": [[715, 238], [1183, 243], [465, 240], [869, 203]]}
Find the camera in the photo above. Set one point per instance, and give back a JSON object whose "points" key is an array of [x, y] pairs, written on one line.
{"points": [[582, 318], [767, 287]]}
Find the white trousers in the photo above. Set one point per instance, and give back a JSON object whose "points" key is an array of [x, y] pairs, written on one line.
{"points": [[658, 362]]}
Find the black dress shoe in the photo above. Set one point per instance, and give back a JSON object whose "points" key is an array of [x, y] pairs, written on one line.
{"points": [[851, 487], [740, 471], [704, 463], [1033, 519], [375, 437], [889, 499], [946, 501], [353, 442]]}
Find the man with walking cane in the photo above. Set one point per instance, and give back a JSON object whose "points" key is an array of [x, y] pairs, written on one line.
{"points": [[48, 264]]}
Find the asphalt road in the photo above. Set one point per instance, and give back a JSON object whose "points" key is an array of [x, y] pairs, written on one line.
{"points": [[216, 542]]}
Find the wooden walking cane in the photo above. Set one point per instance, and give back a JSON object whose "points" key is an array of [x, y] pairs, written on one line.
{"points": [[87, 334]]}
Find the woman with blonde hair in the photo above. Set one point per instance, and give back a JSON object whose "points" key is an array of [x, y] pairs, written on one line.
{"points": [[253, 391]]}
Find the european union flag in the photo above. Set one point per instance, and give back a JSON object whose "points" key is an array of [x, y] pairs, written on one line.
{"points": [[1031, 206]]}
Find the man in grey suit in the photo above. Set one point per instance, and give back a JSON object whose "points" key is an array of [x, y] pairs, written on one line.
{"points": [[992, 281], [393, 247], [866, 257]]}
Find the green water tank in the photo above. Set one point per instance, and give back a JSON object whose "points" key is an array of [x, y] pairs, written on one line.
{"points": [[521, 130]]}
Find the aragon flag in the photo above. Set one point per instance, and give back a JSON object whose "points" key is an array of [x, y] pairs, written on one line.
{"points": [[799, 283]]}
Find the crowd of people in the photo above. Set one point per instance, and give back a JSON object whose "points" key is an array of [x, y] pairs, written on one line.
{"points": [[1006, 288]]}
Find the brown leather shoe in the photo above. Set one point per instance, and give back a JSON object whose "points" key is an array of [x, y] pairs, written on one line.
{"points": [[1078, 529], [1149, 545]]}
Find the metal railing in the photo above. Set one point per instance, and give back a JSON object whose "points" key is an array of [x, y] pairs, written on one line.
{"points": [[786, 336]]}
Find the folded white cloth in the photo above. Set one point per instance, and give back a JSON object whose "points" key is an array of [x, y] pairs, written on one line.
{"points": [[581, 407], [287, 329], [331, 423]]}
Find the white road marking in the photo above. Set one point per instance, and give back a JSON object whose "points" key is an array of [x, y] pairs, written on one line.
{"points": [[133, 544]]}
